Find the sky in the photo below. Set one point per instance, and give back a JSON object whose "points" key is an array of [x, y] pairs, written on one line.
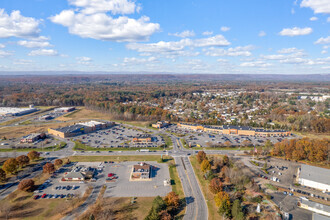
{"points": [[176, 36]]}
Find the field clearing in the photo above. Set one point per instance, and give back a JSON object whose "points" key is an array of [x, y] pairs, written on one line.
{"points": [[19, 131], [313, 135], [121, 208], [86, 114]]}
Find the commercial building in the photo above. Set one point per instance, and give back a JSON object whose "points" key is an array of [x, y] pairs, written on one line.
{"points": [[96, 125], [314, 207], [31, 138], [314, 177], [161, 124], [234, 130], [64, 109], [79, 128], [80, 173], [16, 111], [141, 172], [142, 139]]}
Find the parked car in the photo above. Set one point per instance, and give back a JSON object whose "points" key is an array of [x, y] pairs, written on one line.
{"points": [[44, 195]]}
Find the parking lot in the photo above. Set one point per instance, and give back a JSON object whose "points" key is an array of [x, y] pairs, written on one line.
{"points": [[117, 136], [15, 143], [55, 188], [120, 186], [204, 139], [123, 187]]}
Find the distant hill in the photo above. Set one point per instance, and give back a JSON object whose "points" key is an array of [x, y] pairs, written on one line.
{"points": [[111, 77]]}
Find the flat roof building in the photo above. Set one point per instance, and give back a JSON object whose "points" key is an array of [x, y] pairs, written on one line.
{"points": [[314, 207], [30, 138], [79, 128], [16, 111], [314, 177], [141, 171]]}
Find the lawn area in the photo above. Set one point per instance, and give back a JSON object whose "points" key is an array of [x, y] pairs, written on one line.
{"points": [[82, 147], [176, 134], [212, 209], [312, 135], [168, 140], [118, 158], [50, 148], [184, 143]]}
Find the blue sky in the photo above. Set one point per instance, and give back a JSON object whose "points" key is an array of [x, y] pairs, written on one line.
{"points": [[214, 36]]}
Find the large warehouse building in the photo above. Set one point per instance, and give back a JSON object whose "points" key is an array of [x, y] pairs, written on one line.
{"points": [[234, 130], [79, 128], [16, 111], [314, 177]]}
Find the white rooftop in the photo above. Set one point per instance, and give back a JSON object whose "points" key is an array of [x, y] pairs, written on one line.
{"points": [[10, 110], [91, 123]]}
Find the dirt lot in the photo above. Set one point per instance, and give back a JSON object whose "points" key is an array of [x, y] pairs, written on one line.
{"points": [[120, 208]]}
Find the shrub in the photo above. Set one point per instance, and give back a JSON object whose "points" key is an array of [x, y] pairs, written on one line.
{"points": [[26, 185]]}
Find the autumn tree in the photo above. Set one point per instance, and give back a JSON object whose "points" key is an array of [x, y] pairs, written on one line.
{"points": [[10, 165], [172, 200], [33, 155], [2, 175], [215, 185], [48, 168], [26, 185], [58, 162], [164, 215], [236, 210], [222, 201], [225, 160], [23, 160], [158, 204], [201, 156], [205, 166]]}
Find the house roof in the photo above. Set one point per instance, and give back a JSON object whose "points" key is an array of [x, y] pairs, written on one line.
{"points": [[144, 167], [316, 174]]}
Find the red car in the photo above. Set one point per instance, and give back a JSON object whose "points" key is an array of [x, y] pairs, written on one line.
{"points": [[36, 197], [44, 195], [111, 174]]}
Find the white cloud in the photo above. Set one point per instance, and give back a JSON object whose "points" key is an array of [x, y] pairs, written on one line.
{"points": [[100, 26], [296, 31], [22, 62], [170, 46], [184, 34], [289, 50], [323, 40], [114, 6], [255, 64], [233, 52], [35, 43], [319, 6], [224, 28], [16, 25], [2, 46], [207, 33], [324, 52], [313, 18], [84, 60], [4, 53], [217, 40], [138, 61], [262, 34], [43, 52], [328, 19]]}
